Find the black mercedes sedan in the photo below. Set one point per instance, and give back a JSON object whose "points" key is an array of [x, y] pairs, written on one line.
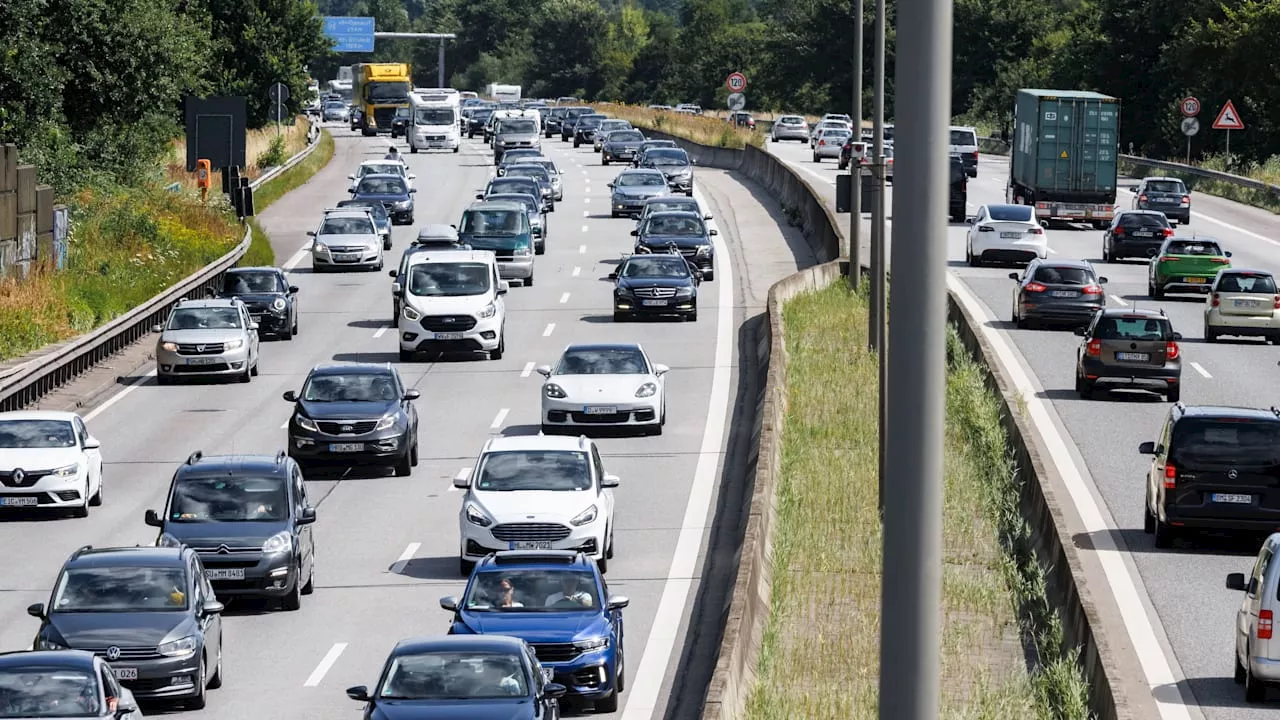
{"points": [[272, 301], [655, 284], [684, 231]]}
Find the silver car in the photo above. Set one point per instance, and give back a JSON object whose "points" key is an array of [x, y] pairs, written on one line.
{"points": [[816, 131], [633, 187], [347, 238], [606, 127], [203, 338], [830, 142], [790, 127], [514, 132], [557, 185]]}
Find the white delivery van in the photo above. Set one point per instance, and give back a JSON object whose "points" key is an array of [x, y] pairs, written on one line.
{"points": [[433, 124]]}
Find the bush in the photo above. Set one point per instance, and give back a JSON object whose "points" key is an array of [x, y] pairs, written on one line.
{"points": [[274, 154]]}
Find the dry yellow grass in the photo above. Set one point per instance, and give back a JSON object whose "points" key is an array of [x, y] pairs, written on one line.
{"points": [[257, 142], [703, 130]]}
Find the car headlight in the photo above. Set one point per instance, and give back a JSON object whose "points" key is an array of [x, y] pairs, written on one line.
{"points": [[47, 644], [684, 292], [281, 542], [488, 311], [523, 252], [586, 516], [168, 541], [403, 203], [685, 172], [67, 470], [278, 305], [410, 314], [385, 422], [647, 390], [553, 390], [476, 516], [599, 643], [233, 344], [622, 292], [169, 346], [704, 249], [306, 423], [320, 247], [178, 648]]}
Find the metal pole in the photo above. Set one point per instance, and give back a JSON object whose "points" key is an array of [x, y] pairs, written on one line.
{"points": [[909, 647], [440, 66], [876, 316], [855, 163], [1188, 149]]}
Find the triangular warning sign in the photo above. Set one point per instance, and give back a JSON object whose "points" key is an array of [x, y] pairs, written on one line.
{"points": [[1063, 155], [1228, 118]]}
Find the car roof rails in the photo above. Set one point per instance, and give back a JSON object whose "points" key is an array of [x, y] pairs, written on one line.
{"points": [[195, 457], [80, 551]]}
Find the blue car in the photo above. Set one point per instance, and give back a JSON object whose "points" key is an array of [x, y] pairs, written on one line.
{"points": [[557, 601], [392, 191], [381, 219]]}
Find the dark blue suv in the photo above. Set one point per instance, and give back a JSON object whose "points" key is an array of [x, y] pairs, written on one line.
{"points": [[557, 601]]}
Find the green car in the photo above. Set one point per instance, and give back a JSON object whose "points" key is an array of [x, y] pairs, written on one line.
{"points": [[1186, 265]]}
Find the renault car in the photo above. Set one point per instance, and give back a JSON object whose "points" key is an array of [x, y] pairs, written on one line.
{"points": [[49, 460]]}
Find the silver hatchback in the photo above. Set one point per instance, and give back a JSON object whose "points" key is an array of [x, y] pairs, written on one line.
{"points": [[203, 338], [790, 127]]}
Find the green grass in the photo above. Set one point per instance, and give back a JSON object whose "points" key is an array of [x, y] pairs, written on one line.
{"points": [[703, 130], [296, 176], [820, 654], [1268, 172]]}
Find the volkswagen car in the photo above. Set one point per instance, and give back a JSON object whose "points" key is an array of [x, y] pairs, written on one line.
{"points": [[632, 188], [516, 155], [606, 128], [266, 292], [621, 145], [684, 232], [48, 459], [207, 338], [649, 145], [664, 203], [599, 385], [653, 284]]}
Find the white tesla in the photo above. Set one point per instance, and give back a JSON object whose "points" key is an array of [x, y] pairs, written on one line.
{"points": [[49, 460], [1005, 234], [612, 385]]}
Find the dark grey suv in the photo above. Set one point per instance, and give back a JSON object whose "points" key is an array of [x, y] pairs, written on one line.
{"points": [[1128, 348]]}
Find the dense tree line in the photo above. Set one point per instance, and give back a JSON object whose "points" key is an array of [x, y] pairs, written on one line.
{"points": [[796, 55], [91, 90]]}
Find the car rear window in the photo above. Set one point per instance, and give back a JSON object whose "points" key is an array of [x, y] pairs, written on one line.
{"points": [[1058, 275], [1190, 247], [1166, 186], [1225, 441], [1010, 213], [963, 137], [1143, 220], [1121, 328], [1246, 283]]}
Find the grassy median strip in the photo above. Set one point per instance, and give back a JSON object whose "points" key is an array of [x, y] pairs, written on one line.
{"points": [[821, 648], [260, 251], [710, 131]]}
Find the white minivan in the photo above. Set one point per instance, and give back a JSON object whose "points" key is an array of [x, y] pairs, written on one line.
{"points": [[964, 142], [1256, 650], [433, 124], [453, 302]]}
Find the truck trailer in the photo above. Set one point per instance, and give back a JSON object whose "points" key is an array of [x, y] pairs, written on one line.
{"points": [[378, 90], [503, 93], [1064, 153]]}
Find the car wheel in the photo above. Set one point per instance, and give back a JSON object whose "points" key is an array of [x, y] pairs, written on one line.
{"points": [[604, 159], [413, 148], [496, 354], [163, 379], [1164, 534], [215, 681], [406, 355], [540, 248], [603, 563], [693, 316], [1209, 334], [528, 282], [465, 567], [83, 510], [608, 704], [576, 143], [1086, 389], [1238, 675], [404, 467], [246, 376], [197, 701], [709, 275], [386, 245], [287, 334], [969, 256], [1174, 394], [1255, 691], [1148, 519], [253, 371], [96, 500], [621, 672], [608, 549], [619, 317]]}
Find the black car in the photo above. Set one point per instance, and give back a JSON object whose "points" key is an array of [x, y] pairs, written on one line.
{"points": [[516, 156], [380, 217], [512, 184], [1213, 468], [675, 163], [485, 677], [1168, 195], [392, 191], [148, 611], [62, 684], [1129, 349], [478, 121], [551, 123], [1057, 291], [400, 122], [249, 518], [621, 145], [266, 292], [584, 130], [655, 284], [571, 116], [649, 145], [684, 231], [539, 174], [1135, 233], [957, 206], [354, 414]]}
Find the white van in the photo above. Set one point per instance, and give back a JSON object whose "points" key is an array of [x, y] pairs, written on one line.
{"points": [[964, 142], [433, 125], [453, 301]]}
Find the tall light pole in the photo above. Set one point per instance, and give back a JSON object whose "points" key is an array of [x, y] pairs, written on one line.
{"points": [[909, 627], [875, 334], [855, 163]]}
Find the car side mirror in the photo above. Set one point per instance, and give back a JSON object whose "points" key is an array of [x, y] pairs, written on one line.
{"points": [[253, 326], [1177, 336], [555, 691], [36, 610], [307, 516], [543, 370], [698, 275], [609, 481], [635, 233], [617, 602], [659, 369], [1235, 581], [610, 186], [413, 190], [713, 232], [92, 443], [1079, 332], [157, 328], [479, 196], [1013, 276], [462, 481], [504, 287], [1102, 281], [613, 275], [1044, 224], [393, 273], [124, 706], [290, 395], [293, 289], [1147, 448], [412, 394], [212, 607], [1228, 254], [311, 233], [708, 216], [694, 161], [152, 518], [449, 603], [351, 177], [359, 692], [413, 177]]}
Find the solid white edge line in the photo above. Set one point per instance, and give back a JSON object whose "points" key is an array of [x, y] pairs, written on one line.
{"points": [[1200, 369], [499, 418], [564, 298], [1222, 223], [119, 396], [326, 663], [1118, 300], [551, 327], [646, 685], [403, 561], [1155, 664], [528, 367]]}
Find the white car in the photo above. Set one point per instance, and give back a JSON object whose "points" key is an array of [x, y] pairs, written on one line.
{"points": [[49, 460], [789, 127], [536, 493], [452, 301], [827, 125], [380, 167], [348, 238], [604, 385], [1005, 233]]}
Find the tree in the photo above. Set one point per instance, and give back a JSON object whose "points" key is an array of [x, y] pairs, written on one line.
{"points": [[568, 45]]}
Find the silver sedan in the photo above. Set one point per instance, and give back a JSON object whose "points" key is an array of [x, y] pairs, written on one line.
{"points": [[829, 144], [789, 127]]}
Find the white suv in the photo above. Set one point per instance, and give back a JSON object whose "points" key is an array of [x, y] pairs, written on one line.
{"points": [[536, 492], [453, 301]]}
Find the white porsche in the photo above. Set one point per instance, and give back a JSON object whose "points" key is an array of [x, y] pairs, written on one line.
{"points": [[606, 385]]}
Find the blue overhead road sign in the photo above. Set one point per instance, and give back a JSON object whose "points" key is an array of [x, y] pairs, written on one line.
{"points": [[350, 34]]}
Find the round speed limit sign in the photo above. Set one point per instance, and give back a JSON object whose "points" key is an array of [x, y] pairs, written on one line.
{"points": [[736, 82], [1190, 107]]}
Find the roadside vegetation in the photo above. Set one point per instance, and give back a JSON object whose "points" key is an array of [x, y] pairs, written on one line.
{"points": [[820, 654], [1268, 172], [711, 131]]}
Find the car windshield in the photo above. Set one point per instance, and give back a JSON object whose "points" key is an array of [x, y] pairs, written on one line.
{"points": [[1063, 275], [356, 387], [1166, 186], [434, 116], [589, 122], [17, 434], [228, 499], [381, 186], [640, 180], [673, 205], [963, 137], [222, 318], [48, 692], [498, 186], [511, 157], [626, 136], [247, 283], [550, 470], [530, 203], [454, 676], [1194, 247], [1144, 220], [537, 172], [120, 589], [347, 226], [666, 157], [378, 209], [383, 91], [382, 169], [1121, 328], [1231, 442], [790, 120], [491, 222], [614, 125], [674, 225], [603, 361], [449, 279], [335, 106], [481, 116], [518, 126], [517, 589], [656, 267], [836, 133], [1010, 213], [1246, 283]]}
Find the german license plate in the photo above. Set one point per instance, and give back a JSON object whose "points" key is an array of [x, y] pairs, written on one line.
{"points": [[224, 573], [1246, 303], [125, 673], [653, 303], [346, 447], [18, 501], [446, 336], [1063, 293], [1232, 498], [1143, 233], [1133, 356], [531, 545], [1194, 280], [1010, 235], [600, 410]]}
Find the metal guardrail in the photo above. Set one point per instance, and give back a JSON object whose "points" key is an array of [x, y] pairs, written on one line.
{"points": [[24, 384]]}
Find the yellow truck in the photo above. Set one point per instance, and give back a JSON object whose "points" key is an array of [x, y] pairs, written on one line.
{"points": [[377, 90]]}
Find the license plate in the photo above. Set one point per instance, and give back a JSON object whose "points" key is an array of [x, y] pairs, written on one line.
{"points": [[1194, 280], [1010, 235], [125, 673], [437, 144], [1132, 356], [18, 501], [446, 336], [203, 360], [225, 574], [600, 410], [346, 256], [1232, 498], [1166, 200], [1143, 233], [653, 303], [346, 447], [538, 545], [1063, 293], [1246, 303]]}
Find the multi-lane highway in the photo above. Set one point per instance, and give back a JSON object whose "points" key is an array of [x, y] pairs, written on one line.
{"points": [[387, 547], [1188, 602]]}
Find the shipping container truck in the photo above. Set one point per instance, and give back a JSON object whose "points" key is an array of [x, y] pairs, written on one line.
{"points": [[378, 90], [1063, 159]]}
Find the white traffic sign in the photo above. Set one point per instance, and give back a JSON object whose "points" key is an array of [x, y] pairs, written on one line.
{"points": [[1190, 107], [736, 101], [1228, 118], [736, 82], [1190, 126]]}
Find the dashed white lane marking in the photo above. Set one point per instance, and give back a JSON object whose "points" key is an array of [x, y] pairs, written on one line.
{"points": [[1119, 301], [1200, 370], [118, 396], [528, 367], [382, 331], [577, 271], [298, 257], [584, 228], [551, 327], [1227, 225], [586, 213], [405, 557], [499, 418], [586, 201], [284, 425], [564, 298], [1052, 251], [582, 249], [326, 663]]}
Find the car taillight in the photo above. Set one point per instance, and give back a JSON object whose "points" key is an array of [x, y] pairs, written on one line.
{"points": [[1036, 230], [1277, 305], [975, 156], [1092, 290], [1168, 232], [1171, 350], [1170, 476], [1035, 287], [822, 142], [1167, 258], [1142, 198], [1220, 261], [1266, 621], [1213, 300], [1118, 231], [1186, 199], [1094, 348]]}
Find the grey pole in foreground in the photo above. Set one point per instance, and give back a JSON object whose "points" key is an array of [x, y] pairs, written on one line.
{"points": [[876, 320], [440, 66], [855, 167], [910, 597]]}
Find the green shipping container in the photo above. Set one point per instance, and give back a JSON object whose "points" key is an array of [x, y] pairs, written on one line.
{"points": [[1065, 147]]}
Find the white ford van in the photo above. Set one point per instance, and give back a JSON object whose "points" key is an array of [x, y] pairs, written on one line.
{"points": [[453, 302]]}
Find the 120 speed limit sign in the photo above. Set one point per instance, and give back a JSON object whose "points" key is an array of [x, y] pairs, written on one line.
{"points": [[1190, 107], [736, 82]]}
